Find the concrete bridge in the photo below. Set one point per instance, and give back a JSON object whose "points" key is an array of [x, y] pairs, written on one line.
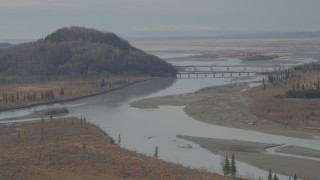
{"points": [[206, 74], [230, 68], [192, 71]]}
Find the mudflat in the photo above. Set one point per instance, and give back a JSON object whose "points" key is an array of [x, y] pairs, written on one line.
{"points": [[296, 150], [254, 153]]}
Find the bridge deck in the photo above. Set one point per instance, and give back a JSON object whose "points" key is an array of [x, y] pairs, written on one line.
{"points": [[213, 72], [231, 66]]}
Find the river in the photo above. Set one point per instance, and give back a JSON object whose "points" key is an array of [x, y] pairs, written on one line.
{"points": [[142, 130]]}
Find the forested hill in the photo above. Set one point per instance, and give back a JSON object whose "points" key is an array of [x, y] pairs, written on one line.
{"points": [[77, 51]]}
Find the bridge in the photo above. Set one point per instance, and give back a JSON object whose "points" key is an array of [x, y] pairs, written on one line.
{"points": [[206, 74], [226, 67], [192, 71]]}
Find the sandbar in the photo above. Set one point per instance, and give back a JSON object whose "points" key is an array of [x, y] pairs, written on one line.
{"points": [[254, 153]]}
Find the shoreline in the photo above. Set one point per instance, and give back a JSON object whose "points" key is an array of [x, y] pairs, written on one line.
{"points": [[71, 99], [39, 114]]}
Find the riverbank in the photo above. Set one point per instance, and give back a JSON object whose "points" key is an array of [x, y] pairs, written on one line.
{"points": [[70, 148], [22, 93], [254, 153], [222, 105]]}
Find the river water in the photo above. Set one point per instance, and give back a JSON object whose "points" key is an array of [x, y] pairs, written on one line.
{"points": [[142, 130]]}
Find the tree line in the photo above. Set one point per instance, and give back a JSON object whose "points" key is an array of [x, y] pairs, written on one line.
{"points": [[274, 177], [30, 96], [309, 90]]}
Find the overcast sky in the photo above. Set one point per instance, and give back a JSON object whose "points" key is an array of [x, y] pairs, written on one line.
{"points": [[133, 18]]}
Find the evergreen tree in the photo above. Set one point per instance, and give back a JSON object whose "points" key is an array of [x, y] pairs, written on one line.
{"points": [[61, 91], [102, 83], [226, 166], [119, 139], [295, 177], [269, 175], [35, 95], [156, 151], [264, 84], [275, 177], [233, 169]]}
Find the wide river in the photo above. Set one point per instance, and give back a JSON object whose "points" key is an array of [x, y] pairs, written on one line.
{"points": [[142, 130]]}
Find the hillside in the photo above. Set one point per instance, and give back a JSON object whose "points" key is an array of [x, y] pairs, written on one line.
{"points": [[74, 149], [77, 51]]}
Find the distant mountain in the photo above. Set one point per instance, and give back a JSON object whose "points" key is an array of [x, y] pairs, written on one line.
{"points": [[5, 45], [236, 36], [272, 35], [80, 51]]}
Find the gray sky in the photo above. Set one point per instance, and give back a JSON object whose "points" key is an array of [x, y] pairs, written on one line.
{"points": [[135, 18]]}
